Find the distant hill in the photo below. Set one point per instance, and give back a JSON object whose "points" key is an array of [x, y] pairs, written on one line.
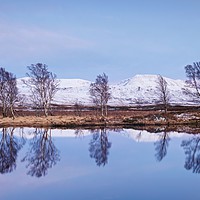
{"points": [[140, 89]]}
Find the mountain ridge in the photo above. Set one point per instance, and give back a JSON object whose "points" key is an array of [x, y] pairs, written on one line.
{"points": [[139, 89]]}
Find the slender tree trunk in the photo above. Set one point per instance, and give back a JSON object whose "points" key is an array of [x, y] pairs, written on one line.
{"points": [[102, 110], [12, 112], [4, 111], [166, 117], [106, 110], [96, 111], [165, 109], [45, 107], [165, 104], [45, 112]]}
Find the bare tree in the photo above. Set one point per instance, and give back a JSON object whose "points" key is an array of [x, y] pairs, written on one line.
{"points": [[163, 92], [100, 93], [8, 92], [78, 108], [193, 75], [43, 86]]}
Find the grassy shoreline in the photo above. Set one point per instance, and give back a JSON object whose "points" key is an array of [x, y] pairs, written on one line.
{"points": [[124, 121], [123, 117]]}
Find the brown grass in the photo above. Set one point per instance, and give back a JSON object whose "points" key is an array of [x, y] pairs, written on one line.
{"points": [[125, 117], [143, 116]]}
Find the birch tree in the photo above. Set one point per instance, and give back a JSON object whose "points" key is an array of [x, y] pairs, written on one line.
{"points": [[163, 92], [193, 82], [8, 92], [100, 93], [43, 86]]}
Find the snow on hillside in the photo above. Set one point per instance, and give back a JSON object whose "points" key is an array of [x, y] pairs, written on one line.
{"points": [[72, 91], [141, 89]]}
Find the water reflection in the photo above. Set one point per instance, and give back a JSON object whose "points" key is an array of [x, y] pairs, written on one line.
{"points": [[99, 147], [79, 132], [161, 145], [129, 172], [9, 148], [192, 152], [42, 153]]}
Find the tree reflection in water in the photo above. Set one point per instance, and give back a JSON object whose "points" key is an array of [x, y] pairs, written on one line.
{"points": [[9, 147], [99, 147], [42, 154], [161, 145], [79, 133], [192, 152]]}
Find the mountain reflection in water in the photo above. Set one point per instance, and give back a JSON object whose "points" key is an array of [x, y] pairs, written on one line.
{"points": [[42, 154], [44, 163]]}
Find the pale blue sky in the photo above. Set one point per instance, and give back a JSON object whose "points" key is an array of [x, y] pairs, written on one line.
{"points": [[84, 38]]}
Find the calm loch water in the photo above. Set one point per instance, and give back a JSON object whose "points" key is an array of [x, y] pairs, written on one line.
{"points": [[98, 165]]}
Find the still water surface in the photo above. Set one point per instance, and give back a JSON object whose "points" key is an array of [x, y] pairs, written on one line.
{"points": [[99, 164]]}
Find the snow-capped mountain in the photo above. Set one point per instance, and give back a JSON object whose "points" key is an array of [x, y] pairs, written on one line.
{"points": [[140, 89]]}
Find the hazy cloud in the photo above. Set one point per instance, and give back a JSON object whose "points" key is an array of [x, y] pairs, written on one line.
{"points": [[18, 41]]}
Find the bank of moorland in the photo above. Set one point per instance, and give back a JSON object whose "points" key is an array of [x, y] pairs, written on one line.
{"points": [[146, 117]]}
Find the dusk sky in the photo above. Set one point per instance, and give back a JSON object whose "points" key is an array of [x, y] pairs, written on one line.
{"points": [[84, 38]]}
